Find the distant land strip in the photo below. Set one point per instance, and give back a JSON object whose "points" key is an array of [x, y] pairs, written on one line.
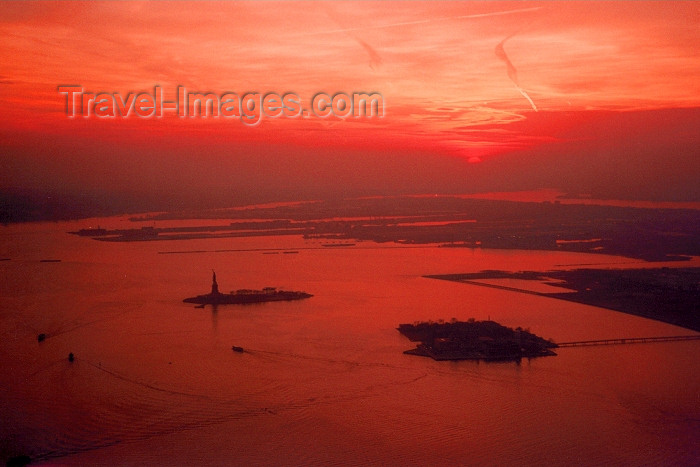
{"points": [[338, 247], [648, 234]]}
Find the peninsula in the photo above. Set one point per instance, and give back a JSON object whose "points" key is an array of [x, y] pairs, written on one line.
{"points": [[242, 296]]}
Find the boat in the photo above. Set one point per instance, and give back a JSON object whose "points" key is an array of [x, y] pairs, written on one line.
{"points": [[242, 296], [235, 348]]}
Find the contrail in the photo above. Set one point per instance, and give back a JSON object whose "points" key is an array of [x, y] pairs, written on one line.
{"points": [[512, 72], [374, 58], [422, 21]]}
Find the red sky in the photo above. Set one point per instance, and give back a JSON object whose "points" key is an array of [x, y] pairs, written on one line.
{"points": [[615, 85]]}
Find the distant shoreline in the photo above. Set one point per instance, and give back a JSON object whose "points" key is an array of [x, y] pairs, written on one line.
{"points": [[449, 221], [669, 295]]}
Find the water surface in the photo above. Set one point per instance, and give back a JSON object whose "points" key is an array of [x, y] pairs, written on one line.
{"points": [[323, 381]]}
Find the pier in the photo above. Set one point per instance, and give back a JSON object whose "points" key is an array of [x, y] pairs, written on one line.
{"points": [[629, 340]]}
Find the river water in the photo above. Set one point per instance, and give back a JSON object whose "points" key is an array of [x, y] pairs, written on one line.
{"points": [[323, 381]]}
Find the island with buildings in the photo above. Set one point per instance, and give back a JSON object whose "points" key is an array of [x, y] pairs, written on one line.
{"points": [[243, 296], [474, 340]]}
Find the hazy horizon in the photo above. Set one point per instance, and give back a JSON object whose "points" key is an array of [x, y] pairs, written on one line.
{"points": [[595, 98]]}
